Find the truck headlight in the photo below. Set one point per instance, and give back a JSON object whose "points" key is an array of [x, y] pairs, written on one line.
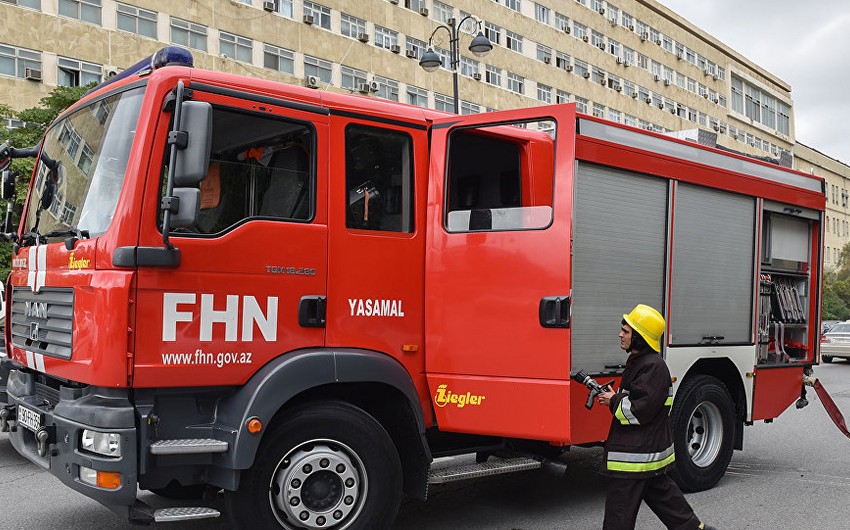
{"points": [[102, 443]]}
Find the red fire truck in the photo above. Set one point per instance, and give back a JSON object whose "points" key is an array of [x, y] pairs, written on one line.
{"points": [[303, 298]]}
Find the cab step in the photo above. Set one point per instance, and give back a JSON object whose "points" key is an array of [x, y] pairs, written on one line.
{"points": [[188, 446], [493, 466], [169, 515]]}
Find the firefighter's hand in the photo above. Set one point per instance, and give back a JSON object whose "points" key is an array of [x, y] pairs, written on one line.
{"points": [[605, 398]]}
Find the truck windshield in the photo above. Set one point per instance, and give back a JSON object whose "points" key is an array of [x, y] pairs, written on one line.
{"points": [[86, 158]]}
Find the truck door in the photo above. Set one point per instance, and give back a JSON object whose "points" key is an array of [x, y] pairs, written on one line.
{"points": [[498, 272], [258, 248]]}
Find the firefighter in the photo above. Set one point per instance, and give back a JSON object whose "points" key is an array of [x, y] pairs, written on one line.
{"points": [[639, 449]]}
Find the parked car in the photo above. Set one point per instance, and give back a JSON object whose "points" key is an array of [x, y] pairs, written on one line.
{"points": [[835, 342], [826, 325]]}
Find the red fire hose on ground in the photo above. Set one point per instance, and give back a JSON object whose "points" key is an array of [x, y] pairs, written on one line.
{"points": [[828, 403]]}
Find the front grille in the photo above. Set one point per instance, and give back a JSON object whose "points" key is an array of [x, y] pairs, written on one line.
{"points": [[43, 322]]}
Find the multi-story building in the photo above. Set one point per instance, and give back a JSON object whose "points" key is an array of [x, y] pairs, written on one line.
{"points": [[630, 61]]}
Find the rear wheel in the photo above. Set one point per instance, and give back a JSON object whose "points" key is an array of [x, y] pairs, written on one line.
{"points": [[703, 418], [327, 465], [826, 358]]}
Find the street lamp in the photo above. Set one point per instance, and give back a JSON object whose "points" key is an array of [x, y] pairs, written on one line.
{"points": [[480, 46]]}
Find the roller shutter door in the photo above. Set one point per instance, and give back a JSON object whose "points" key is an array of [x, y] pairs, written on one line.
{"points": [[620, 224]]}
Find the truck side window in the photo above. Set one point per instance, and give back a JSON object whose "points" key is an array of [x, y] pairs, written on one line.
{"points": [[260, 167], [499, 178], [378, 179]]}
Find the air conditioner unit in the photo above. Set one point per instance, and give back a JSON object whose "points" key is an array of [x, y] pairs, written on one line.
{"points": [[722, 129], [644, 36], [423, 11], [666, 82], [631, 27], [658, 42], [648, 100], [613, 21], [547, 60], [394, 2], [601, 46], [268, 5], [657, 78], [634, 95], [363, 37], [679, 55], [717, 77], [312, 81], [619, 60], [566, 29], [568, 68], [627, 63], [32, 74], [476, 76], [706, 71], [716, 100], [601, 10], [586, 75], [602, 81], [705, 95], [411, 54], [585, 38], [661, 105], [365, 88], [395, 48], [308, 19], [618, 88]]}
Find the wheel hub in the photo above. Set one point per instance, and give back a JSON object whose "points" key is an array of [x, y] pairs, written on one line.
{"points": [[705, 434], [318, 485]]}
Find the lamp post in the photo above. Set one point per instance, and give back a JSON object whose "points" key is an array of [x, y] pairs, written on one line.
{"points": [[480, 46]]}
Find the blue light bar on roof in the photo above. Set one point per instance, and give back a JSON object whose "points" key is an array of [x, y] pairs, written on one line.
{"points": [[168, 56]]}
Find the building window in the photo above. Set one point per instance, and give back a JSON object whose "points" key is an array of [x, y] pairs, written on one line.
{"points": [[236, 47], [468, 67], [352, 26], [188, 34], [443, 102], [579, 30], [318, 67], [15, 61], [352, 78], [598, 110], [34, 4], [85, 10], [417, 96], [417, 46], [562, 97], [321, 14], [385, 38], [279, 59], [78, 73], [581, 105], [542, 13], [544, 53], [562, 22], [580, 68], [513, 41], [493, 75], [597, 39], [544, 93], [469, 108], [562, 60], [442, 12], [516, 83], [493, 32], [137, 20], [283, 7], [516, 5], [387, 88]]}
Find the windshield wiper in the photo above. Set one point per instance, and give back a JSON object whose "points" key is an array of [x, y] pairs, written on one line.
{"points": [[74, 235]]}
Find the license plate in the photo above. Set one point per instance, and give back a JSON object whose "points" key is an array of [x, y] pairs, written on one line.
{"points": [[29, 418]]}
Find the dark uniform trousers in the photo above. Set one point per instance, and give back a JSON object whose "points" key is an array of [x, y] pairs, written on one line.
{"points": [[661, 494]]}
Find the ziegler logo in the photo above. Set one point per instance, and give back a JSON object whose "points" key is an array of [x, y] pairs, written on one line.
{"points": [[444, 396], [77, 264]]}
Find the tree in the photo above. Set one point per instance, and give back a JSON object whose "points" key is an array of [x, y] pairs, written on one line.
{"points": [[37, 120], [836, 289]]}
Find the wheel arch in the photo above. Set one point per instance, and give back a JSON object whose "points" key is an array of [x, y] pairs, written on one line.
{"points": [[372, 381], [725, 371]]}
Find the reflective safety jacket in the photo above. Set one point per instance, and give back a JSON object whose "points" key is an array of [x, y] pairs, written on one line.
{"points": [[640, 441]]}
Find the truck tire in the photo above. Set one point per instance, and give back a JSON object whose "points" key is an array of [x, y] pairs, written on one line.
{"points": [[326, 465], [826, 358], [703, 422]]}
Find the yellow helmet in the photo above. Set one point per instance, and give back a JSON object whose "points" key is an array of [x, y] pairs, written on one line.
{"points": [[648, 323]]}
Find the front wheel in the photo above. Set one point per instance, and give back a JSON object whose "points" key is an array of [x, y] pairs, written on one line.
{"points": [[703, 420], [826, 358], [327, 465]]}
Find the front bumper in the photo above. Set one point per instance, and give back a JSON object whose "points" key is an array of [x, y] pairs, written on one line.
{"points": [[63, 417]]}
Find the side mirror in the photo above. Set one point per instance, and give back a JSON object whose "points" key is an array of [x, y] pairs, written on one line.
{"points": [[193, 153], [7, 185], [48, 194], [189, 206]]}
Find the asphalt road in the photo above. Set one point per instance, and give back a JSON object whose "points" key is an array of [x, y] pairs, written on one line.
{"points": [[793, 473]]}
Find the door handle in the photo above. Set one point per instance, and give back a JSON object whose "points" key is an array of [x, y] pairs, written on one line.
{"points": [[555, 312], [311, 311]]}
